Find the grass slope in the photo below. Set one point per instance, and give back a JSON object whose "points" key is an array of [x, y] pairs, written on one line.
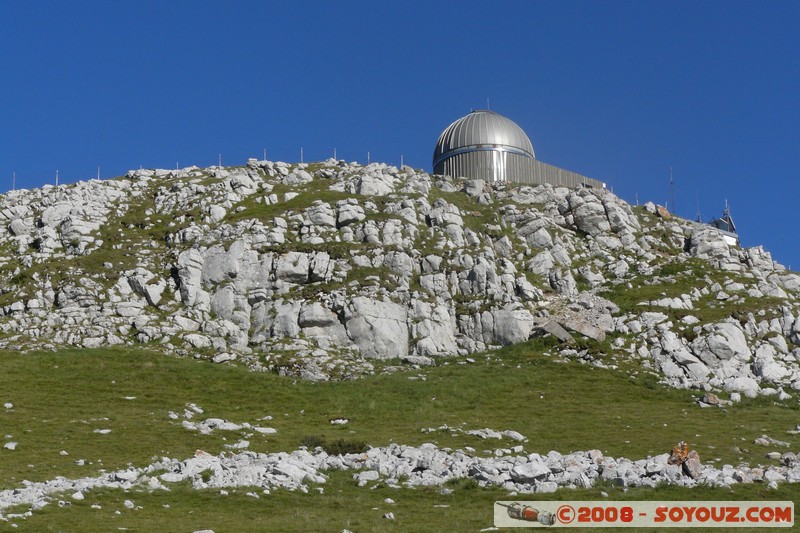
{"points": [[61, 398], [341, 506]]}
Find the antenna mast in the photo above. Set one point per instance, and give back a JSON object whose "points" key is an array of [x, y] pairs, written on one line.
{"points": [[672, 188], [697, 201], [56, 177]]}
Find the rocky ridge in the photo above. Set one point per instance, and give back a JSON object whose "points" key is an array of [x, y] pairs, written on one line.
{"points": [[396, 466], [321, 270]]}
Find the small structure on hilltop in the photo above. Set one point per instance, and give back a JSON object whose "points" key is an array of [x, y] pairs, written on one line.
{"points": [[726, 226], [488, 146]]}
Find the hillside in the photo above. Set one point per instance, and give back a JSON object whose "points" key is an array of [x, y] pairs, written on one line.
{"points": [[426, 317], [319, 270]]}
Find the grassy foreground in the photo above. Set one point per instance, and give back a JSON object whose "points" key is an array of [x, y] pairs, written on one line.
{"points": [[60, 399], [342, 506]]}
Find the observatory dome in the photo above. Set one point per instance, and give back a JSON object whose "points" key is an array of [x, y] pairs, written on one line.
{"points": [[484, 145]]}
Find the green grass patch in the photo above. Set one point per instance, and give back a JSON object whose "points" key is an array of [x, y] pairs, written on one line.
{"points": [[677, 278], [334, 447], [60, 399], [316, 190]]}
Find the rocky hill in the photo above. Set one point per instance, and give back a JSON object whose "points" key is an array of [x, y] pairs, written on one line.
{"points": [[321, 270]]}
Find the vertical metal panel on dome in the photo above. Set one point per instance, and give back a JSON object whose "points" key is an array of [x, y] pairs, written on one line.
{"points": [[488, 146]]}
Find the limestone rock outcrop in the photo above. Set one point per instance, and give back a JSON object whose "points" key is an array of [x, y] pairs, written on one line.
{"points": [[316, 269]]}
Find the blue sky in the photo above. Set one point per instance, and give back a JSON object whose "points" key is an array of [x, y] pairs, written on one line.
{"points": [[619, 91]]}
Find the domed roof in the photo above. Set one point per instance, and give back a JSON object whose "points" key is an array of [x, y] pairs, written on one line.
{"points": [[482, 129]]}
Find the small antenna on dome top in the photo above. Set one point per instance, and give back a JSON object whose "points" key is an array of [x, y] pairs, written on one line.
{"points": [[56, 178], [98, 170], [488, 108]]}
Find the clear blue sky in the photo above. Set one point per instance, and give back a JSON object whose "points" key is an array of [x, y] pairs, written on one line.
{"points": [[619, 91]]}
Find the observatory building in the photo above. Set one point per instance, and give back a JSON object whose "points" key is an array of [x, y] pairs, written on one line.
{"points": [[485, 145]]}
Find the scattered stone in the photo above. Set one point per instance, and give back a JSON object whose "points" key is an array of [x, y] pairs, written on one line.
{"points": [[710, 399], [692, 466], [765, 440], [511, 434], [368, 475]]}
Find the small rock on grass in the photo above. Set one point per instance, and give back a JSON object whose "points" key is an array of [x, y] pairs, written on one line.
{"points": [[692, 467]]}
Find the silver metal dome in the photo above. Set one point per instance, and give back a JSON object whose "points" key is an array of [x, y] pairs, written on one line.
{"points": [[484, 129], [483, 145], [487, 146]]}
